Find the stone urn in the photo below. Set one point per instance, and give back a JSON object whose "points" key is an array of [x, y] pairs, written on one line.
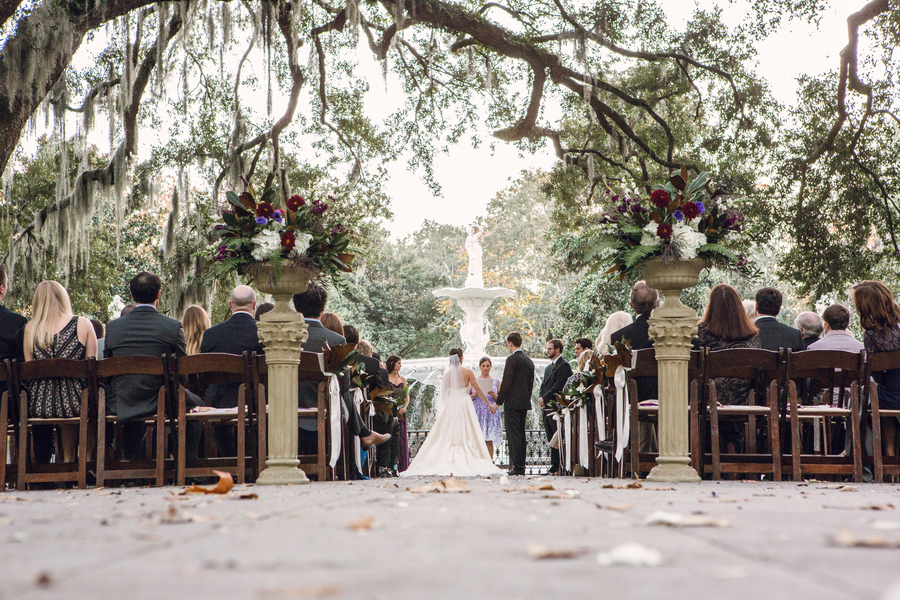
{"points": [[282, 331], [672, 328]]}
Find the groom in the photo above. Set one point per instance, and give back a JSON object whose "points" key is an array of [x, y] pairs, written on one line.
{"points": [[515, 394]]}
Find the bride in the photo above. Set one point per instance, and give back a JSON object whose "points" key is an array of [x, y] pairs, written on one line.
{"points": [[455, 444]]}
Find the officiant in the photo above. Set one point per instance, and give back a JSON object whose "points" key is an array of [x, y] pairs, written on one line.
{"points": [[555, 376]]}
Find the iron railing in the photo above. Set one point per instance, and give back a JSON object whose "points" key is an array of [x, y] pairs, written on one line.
{"points": [[537, 454]]}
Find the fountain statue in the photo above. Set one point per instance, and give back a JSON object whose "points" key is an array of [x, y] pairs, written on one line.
{"points": [[474, 299]]}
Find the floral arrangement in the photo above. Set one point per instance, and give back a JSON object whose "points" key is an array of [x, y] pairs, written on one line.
{"points": [[579, 389], [678, 222], [255, 233]]}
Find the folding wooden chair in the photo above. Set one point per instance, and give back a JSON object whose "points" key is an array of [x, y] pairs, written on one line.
{"points": [[827, 370], [196, 373], [881, 361], [23, 374], [8, 425], [764, 368], [647, 411], [155, 467]]}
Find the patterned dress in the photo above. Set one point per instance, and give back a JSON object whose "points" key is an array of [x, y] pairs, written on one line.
{"points": [[888, 381], [58, 397], [729, 390], [491, 425]]}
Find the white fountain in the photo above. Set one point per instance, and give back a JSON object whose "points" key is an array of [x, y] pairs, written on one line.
{"points": [[474, 299]]}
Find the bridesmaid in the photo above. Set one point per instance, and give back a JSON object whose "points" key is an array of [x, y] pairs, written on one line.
{"points": [[488, 416], [398, 382]]}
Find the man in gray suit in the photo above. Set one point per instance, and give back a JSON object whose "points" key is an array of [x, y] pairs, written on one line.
{"points": [[772, 334], [515, 397], [837, 320], [145, 332]]}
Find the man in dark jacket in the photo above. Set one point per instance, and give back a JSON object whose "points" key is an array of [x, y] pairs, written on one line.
{"points": [[772, 334], [234, 336], [515, 398], [555, 376], [145, 332]]}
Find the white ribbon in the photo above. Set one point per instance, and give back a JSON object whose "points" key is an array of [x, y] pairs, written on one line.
{"points": [[600, 403], [567, 425], [358, 399], [334, 411], [583, 449], [623, 409]]}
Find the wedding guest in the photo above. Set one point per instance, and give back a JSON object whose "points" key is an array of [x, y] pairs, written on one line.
{"points": [[555, 376], [614, 322], [12, 328], [384, 422], [234, 336], [811, 327], [879, 316], [398, 382], [195, 322], [750, 309], [99, 332], [333, 322], [488, 416], [582, 344], [724, 325], [54, 332], [126, 309], [144, 331], [263, 309], [837, 320], [584, 360], [772, 334], [367, 438]]}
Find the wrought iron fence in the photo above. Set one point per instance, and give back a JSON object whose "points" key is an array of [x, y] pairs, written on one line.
{"points": [[537, 454]]}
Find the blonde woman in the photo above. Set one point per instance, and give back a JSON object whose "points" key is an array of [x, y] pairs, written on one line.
{"points": [[614, 322], [54, 332], [196, 322]]}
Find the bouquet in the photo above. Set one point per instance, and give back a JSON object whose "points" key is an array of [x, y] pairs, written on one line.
{"points": [[256, 232], [678, 222], [579, 389]]}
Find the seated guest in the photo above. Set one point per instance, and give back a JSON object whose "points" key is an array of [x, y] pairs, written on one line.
{"points": [[643, 301], [98, 331], [195, 322], [145, 332], [333, 322], [772, 334], [263, 309], [811, 327], [383, 422], [879, 316], [311, 304], [837, 320], [54, 332], [234, 336], [614, 322], [126, 309], [725, 324], [367, 437], [750, 309], [12, 328]]}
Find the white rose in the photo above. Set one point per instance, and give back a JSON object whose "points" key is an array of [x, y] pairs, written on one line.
{"points": [[266, 244], [302, 243], [688, 240], [649, 237]]}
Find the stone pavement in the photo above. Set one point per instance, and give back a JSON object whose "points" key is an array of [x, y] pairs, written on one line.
{"points": [[376, 539]]}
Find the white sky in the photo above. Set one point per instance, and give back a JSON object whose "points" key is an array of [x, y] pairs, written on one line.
{"points": [[470, 177]]}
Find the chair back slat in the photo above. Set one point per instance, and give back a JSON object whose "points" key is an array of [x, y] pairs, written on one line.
{"points": [[884, 361], [821, 364], [742, 363], [645, 364], [131, 365], [53, 368]]}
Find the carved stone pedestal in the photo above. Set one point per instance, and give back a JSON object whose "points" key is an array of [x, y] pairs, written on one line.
{"points": [[672, 327], [282, 331]]}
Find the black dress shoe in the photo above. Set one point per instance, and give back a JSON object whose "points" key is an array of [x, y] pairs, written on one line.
{"points": [[605, 445], [394, 473], [553, 471], [514, 472]]}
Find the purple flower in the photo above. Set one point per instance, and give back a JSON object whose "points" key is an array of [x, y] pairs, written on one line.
{"points": [[679, 216], [729, 222], [621, 208], [277, 216], [636, 208], [261, 220], [338, 229], [700, 207]]}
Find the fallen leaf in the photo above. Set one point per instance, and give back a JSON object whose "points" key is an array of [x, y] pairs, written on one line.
{"points": [[223, 486], [43, 580], [450, 485], [314, 591], [846, 539], [634, 485], [630, 555], [617, 507], [660, 517], [250, 496], [173, 517], [864, 507], [660, 489], [539, 552], [363, 524]]}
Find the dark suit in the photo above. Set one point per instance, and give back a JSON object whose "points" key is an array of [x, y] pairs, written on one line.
{"points": [[234, 336], [308, 391], [555, 376], [774, 335], [389, 451], [144, 332], [515, 397], [638, 333]]}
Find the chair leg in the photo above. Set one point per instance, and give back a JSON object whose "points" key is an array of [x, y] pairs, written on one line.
{"points": [[160, 438], [4, 441], [714, 432], [101, 440], [23, 442], [855, 433], [876, 434], [262, 418], [774, 431], [695, 430], [795, 433], [182, 427], [321, 437]]}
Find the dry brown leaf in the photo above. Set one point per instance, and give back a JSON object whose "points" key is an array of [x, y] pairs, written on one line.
{"points": [[363, 524], [450, 485], [173, 517], [43, 580], [634, 485], [848, 540], [224, 485], [250, 496], [864, 507], [313, 591], [540, 552], [660, 489]]}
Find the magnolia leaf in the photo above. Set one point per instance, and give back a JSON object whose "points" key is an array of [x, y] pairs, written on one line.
{"points": [[684, 173], [678, 182], [269, 196], [247, 201]]}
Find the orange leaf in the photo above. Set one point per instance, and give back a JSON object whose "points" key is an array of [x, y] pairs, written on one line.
{"points": [[222, 487]]}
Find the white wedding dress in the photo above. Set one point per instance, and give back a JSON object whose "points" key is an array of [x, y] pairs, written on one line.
{"points": [[455, 445]]}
